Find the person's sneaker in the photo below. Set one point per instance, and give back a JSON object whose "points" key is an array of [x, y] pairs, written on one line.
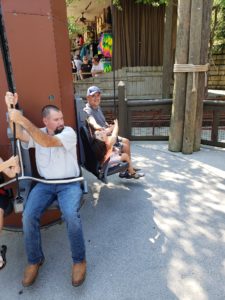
{"points": [[3, 256], [141, 174], [123, 174], [136, 169], [134, 175]]}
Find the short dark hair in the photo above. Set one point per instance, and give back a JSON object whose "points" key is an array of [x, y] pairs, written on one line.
{"points": [[99, 149], [96, 58], [47, 109]]}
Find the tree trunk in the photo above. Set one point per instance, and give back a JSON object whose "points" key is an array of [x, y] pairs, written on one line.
{"points": [[207, 10], [214, 24], [167, 52], [191, 94], [181, 57]]}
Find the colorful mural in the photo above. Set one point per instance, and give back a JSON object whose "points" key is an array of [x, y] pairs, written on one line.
{"points": [[105, 44], [107, 65]]}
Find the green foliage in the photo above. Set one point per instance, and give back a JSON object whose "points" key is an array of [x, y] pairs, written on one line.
{"points": [[219, 3], [218, 26], [152, 2], [155, 3], [117, 4], [75, 28], [68, 2]]}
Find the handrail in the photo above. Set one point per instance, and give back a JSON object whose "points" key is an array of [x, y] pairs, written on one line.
{"points": [[148, 102], [214, 102], [103, 97]]}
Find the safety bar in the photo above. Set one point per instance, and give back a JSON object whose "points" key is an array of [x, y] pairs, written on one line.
{"points": [[50, 181], [47, 181]]}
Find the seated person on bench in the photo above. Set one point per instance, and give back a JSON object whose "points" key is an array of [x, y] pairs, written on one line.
{"points": [[104, 147], [10, 168], [97, 120]]}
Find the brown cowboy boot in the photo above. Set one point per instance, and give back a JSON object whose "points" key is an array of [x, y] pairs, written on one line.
{"points": [[30, 274], [78, 273]]}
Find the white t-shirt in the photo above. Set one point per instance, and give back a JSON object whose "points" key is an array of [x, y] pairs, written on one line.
{"points": [[57, 162], [78, 64], [98, 67]]}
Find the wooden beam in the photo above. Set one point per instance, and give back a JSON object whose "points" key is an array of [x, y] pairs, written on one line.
{"points": [[179, 93], [167, 51], [202, 90], [191, 93]]}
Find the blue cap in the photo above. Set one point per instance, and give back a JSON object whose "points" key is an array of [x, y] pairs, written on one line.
{"points": [[92, 90]]}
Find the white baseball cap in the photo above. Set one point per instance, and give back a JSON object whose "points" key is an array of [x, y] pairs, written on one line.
{"points": [[92, 90]]}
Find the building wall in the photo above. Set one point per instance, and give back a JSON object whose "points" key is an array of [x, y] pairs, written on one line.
{"points": [[140, 82], [216, 79]]}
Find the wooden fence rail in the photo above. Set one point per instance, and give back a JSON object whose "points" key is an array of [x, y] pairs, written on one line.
{"points": [[150, 119]]}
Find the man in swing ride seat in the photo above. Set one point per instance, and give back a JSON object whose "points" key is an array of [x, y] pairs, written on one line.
{"points": [[96, 119], [56, 158]]}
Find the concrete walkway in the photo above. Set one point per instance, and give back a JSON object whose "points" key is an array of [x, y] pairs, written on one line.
{"points": [[160, 237]]}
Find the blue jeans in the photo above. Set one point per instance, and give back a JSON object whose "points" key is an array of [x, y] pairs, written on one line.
{"points": [[41, 196]]}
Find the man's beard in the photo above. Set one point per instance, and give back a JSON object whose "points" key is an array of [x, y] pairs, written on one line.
{"points": [[59, 130]]}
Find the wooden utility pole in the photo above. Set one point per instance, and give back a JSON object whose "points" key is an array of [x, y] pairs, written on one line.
{"points": [[189, 87], [167, 51], [205, 36], [181, 57], [192, 80]]}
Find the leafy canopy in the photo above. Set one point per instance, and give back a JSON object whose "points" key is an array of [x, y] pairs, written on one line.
{"points": [[218, 26], [155, 3]]}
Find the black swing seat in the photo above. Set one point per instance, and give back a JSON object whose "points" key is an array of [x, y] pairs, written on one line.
{"points": [[27, 179], [88, 158]]}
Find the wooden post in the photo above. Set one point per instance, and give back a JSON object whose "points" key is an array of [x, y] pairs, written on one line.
{"points": [[191, 93], [167, 51], [122, 105], [215, 126], [207, 10], [178, 107]]}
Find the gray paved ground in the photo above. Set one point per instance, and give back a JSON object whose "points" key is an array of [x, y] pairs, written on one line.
{"points": [[161, 237]]}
